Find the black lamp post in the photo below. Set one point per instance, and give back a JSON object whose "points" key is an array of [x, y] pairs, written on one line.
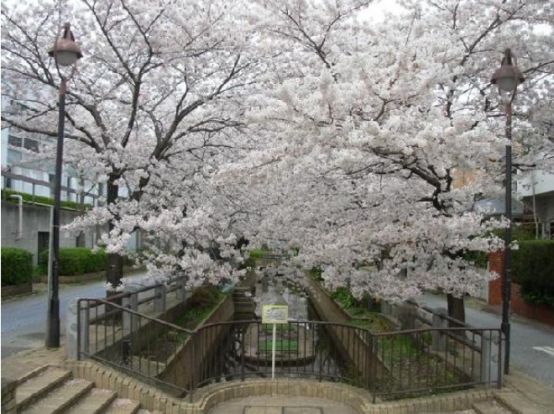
{"points": [[66, 53], [507, 78]]}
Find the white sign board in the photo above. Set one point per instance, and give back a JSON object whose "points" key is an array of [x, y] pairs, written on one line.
{"points": [[275, 314]]}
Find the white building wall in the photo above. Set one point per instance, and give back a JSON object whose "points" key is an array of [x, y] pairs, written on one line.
{"points": [[543, 182], [4, 147]]}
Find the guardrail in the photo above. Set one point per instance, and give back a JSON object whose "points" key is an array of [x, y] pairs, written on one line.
{"points": [[144, 299], [388, 365], [135, 343]]}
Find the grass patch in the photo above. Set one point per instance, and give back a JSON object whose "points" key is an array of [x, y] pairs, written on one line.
{"points": [[280, 345], [372, 321], [258, 253], [281, 328], [202, 302]]}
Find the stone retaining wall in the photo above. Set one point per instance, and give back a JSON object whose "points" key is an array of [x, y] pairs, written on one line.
{"points": [[8, 396], [186, 364], [354, 347], [205, 399], [14, 290]]}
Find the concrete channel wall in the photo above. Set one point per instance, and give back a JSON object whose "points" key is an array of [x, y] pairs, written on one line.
{"points": [[188, 363], [356, 348]]}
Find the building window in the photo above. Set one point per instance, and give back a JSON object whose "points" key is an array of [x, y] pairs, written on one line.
{"points": [[43, 241], [551, 230], [15, 141], [14, 156], [31, 144]]}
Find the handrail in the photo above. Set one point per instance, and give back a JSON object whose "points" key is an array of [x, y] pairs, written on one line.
{"points": [[123, 295], [440, 315], [132, 312]]}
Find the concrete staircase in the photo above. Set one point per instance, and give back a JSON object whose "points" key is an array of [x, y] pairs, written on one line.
{"points": [[244, 303], [52, 390], [491, 407]]}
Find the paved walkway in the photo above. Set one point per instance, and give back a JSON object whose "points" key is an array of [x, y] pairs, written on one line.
{"points": [[278, 405], [24, 318]]}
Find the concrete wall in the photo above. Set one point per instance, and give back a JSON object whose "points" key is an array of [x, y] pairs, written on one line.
{"points": [[545, 211], [35, 219], [356, 349], [189, 363], [542, 181]]}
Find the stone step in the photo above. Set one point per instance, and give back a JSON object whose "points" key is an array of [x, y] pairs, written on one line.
{"points": [[96, 401], [490, 407], [123, 406], [38, 384], [32, 374], [60, 398], [514, 403]]}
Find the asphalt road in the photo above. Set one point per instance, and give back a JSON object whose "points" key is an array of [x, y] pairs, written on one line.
{"points": [[24, 318], [532, 343]]}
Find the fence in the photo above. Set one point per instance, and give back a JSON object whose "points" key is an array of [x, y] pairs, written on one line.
{"points": [[388, 365]]}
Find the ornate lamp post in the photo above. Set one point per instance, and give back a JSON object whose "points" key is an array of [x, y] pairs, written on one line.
{"points": [[507, 78], [65, 53]]}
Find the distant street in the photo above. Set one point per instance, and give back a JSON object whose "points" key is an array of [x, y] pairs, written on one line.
{"points": [[24, 319], [532, 345]]}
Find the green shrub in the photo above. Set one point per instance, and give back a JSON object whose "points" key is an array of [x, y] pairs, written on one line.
{"points": [[17, 266], [258, 253], [76, 261], [248, 263], [315, 274], [533, 269], [520, 232], [6, 193], [204, 296], [344, 298], [479, 259]]}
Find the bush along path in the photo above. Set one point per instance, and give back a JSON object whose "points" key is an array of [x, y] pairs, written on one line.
{"points": [[17, 266], [17, 271]]}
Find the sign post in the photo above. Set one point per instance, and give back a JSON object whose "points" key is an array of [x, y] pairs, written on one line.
{"points": [[274, 314]]}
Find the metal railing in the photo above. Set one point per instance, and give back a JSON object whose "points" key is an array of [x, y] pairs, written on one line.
{"points": [[388, 365], [149, 299], [138, 344]]}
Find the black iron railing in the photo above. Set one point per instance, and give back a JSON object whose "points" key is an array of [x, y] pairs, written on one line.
{"points": [[388, 365]]}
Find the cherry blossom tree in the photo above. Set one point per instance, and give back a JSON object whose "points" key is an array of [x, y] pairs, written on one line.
{"points": [[155, 102], [299, 121], [369, 126]]}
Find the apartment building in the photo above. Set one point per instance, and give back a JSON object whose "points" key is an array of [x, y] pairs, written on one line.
{"points": [[28, 176]]}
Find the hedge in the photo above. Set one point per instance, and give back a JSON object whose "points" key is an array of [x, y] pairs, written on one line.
{"points": [[76, 261], [17, 266], [6, 193], [533, 269]]}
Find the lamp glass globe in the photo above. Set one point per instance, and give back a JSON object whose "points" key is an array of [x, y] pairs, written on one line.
{"points": [[506, 84], [66, 58]]}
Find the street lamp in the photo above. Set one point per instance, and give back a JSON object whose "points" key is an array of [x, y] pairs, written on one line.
{"points": [[507, 78], [65, 53]]}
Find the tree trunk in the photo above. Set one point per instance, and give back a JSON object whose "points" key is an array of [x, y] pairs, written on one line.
{"points": [[114, 271], [456, 309]]}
